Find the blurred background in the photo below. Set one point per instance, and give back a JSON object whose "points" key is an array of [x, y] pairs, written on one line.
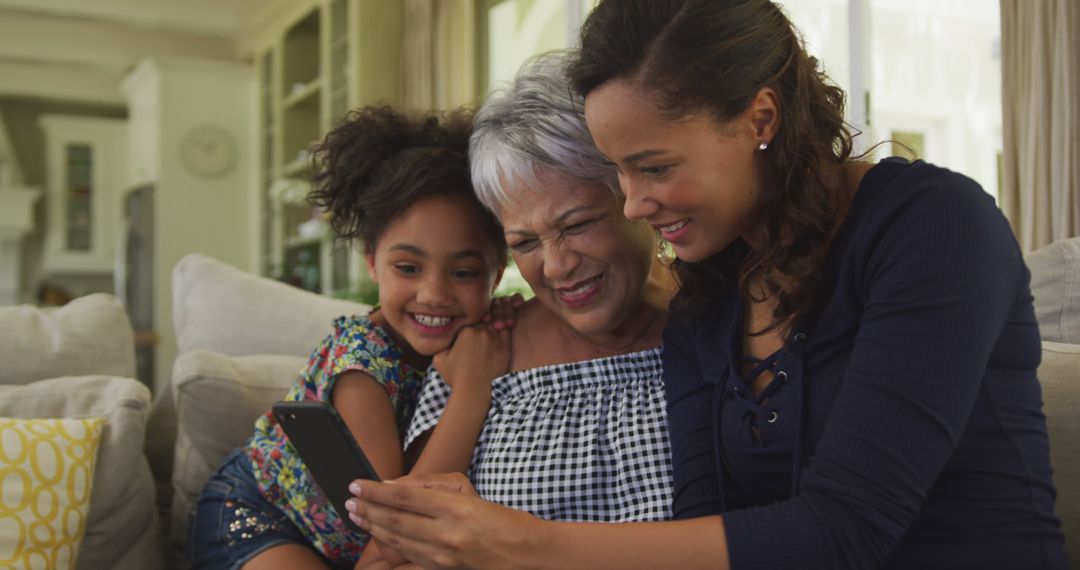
{"points": [[135, 132]]}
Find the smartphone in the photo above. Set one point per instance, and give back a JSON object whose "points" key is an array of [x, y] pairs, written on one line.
{"points": [[327, 448]]}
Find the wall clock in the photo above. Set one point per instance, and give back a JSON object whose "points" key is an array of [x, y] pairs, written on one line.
{"points": [[208, 151]]}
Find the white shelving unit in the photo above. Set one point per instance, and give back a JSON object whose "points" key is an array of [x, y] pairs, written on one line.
{"points": [[86, 175], [321, 63]]}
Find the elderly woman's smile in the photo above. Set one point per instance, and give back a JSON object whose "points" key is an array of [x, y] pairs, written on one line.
{"points": [[580, 293]]}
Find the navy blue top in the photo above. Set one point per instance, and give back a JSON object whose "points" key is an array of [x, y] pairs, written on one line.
{"points": [[904, 428]]}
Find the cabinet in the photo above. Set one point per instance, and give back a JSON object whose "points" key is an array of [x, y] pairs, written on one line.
{"points": [[178, 206], [85, 176], [326, 58]]}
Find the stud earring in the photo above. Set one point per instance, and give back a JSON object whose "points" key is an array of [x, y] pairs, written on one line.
{"points": [[763, 146]]}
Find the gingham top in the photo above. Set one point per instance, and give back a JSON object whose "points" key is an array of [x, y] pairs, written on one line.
{"points": [[581, 441]]}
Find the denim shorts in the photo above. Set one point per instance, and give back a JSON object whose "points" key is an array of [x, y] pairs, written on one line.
{"points": [[233, 522]]}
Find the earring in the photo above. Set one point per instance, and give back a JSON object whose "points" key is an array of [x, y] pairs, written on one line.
{"points": [[763, 146], [665, 252]]}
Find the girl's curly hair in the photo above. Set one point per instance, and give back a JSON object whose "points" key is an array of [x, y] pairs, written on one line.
{"points": [[378, 162]]}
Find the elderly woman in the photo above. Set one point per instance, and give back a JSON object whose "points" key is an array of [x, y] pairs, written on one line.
{"points": [[577, 429]]}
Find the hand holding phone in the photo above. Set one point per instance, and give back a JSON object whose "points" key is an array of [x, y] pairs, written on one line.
{"points": [[327, 448]]}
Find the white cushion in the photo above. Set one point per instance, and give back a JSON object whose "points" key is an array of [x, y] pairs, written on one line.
{"points": [[218, 398], [220, 308], [122, 530], [1055, 284], [1059, 375], [89, 335]]}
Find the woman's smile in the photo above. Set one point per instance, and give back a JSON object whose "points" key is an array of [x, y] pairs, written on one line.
{"points": [[581, 292]]}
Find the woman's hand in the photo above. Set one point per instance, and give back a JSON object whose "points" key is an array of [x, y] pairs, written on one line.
{"points": [[438, 521], [479, 355], [384, 565], [501, 313]]}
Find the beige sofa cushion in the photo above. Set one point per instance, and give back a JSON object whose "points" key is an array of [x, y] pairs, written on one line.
{"points": [[224, 320], [1060, 378], [220, 308], [1055, 284], [89, 335], [218, 398], [122, 528]]}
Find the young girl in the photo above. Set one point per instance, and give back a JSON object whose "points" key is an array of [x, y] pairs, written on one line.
{"points": [[401, 186]]}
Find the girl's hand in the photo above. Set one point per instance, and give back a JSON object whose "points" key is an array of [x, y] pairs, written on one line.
{"points": [[437, 521], [501, 313], [479, 355], [380, 556]]}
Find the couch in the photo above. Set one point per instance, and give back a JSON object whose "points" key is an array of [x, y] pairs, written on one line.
{"points": [[1055, 284], [242, 340], [76, 364]]}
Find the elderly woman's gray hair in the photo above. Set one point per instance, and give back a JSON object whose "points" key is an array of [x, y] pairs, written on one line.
{"points": [[537, 124]]}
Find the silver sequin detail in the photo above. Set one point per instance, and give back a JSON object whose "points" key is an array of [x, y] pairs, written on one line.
{"points": [[246, 523]]}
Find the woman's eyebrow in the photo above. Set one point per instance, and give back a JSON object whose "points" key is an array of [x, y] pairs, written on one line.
{"points": [[559, 220], [639, 156]]}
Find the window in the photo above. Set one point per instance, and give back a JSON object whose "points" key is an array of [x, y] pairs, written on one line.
{"points": [[80, 196], [931, 81]]}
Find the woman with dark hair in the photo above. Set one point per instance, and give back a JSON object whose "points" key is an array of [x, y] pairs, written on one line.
{"points": [[850, 365]]}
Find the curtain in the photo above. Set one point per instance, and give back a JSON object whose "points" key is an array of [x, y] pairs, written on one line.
{"points": [[438, 58], [1040, 49]]}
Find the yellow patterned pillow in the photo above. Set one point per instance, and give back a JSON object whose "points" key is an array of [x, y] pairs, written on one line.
{"points": [[46, 473]]}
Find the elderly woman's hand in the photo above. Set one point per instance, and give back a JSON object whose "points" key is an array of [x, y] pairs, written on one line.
{"points": [[438, 521]]}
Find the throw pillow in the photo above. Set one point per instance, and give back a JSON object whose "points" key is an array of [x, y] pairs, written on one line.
{"points": [[123, 531], [221, 308], [46, 474], [218, 398], [90, 335], [1055, 284]]}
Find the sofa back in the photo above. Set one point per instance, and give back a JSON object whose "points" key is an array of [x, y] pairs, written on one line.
{"points": [[221, 308]]}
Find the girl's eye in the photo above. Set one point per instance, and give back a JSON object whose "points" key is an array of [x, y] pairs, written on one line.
{"points": [[524, 245], [407, 268], [466, 274]]}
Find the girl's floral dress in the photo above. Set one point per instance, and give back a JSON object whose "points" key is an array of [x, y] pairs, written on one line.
{"points": [[355, 344]]}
